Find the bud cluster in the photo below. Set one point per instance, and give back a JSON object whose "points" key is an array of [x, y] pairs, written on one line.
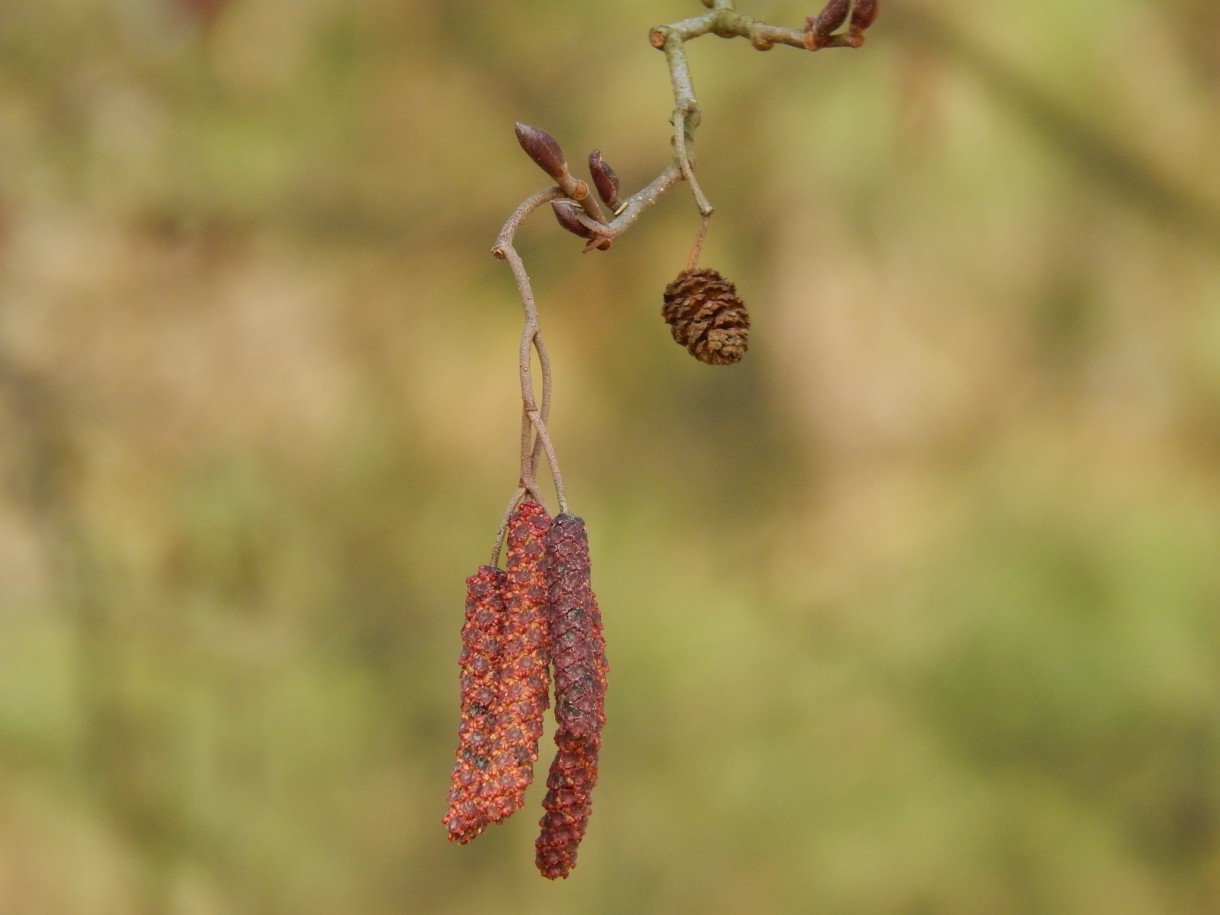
{"points": [[538, 614], [544, 149]]}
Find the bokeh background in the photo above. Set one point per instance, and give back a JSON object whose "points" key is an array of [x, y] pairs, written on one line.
{"points": [[913, 611]]}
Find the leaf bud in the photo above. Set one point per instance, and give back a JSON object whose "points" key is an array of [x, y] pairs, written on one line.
{"points": [[863, 14], [604, 179], [543, 149], [830, 19], [565, 213]]}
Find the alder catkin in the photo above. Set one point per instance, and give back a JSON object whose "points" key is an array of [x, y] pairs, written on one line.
{"points": [[707, 317], [578, 649], [567, 803], [578, 652], [524, 675], [468, 813]]}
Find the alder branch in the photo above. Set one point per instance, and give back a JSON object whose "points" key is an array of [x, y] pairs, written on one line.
{"points": [[841, 24], [541, 613]]}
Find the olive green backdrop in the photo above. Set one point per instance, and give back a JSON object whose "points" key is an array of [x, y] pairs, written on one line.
{"points": [[912, 611]]}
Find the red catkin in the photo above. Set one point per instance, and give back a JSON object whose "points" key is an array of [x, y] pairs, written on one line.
{"points": [[468, 813], [524, 675], [578, 652]]}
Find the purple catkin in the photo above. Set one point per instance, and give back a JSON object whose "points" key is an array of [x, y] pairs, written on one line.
{"points": [[568, 802], [578, 650], [579, 656], [468, 813]]}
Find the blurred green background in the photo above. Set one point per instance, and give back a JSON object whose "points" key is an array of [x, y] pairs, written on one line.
{"points": [[913, 611]]}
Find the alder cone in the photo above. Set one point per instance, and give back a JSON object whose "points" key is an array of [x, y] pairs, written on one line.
{"points": [[468, 813], [707, 317], [524, 665]]}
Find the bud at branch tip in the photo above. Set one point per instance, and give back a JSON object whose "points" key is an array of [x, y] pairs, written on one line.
{"points": [[543, 149]]}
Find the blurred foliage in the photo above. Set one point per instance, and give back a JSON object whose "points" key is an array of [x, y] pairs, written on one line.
{"points": [[913, 611]]}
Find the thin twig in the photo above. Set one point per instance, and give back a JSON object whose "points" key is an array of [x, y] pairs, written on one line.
{"points": [[527, 407], [544, 439], [534, 417], [508, 513], [505, 239], [697, 247], [544, 362], [686, 113]]}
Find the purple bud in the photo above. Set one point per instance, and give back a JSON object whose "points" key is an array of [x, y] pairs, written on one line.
{"points": [[565, 212], [831, 18], [543, 149], [604, 179], [863, 14]]}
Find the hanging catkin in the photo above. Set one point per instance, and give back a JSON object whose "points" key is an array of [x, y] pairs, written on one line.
{"points": [[468, 813], [567, 803], [524, 676], [578, 649], [579, 656]]}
